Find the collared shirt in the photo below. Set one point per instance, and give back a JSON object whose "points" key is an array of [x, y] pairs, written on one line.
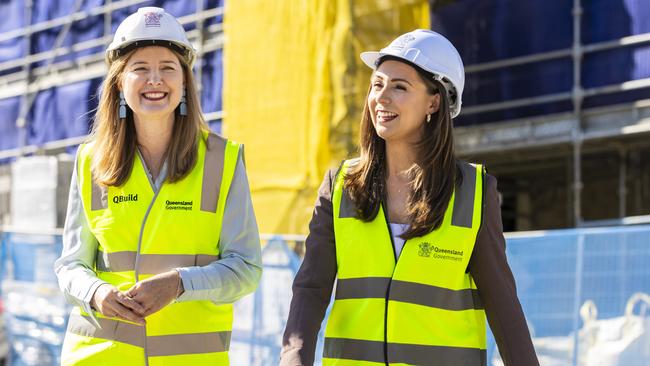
{"points": [[234, 275]]}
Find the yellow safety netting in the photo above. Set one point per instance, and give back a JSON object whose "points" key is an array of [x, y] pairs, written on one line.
{"points": [[294, 88]]}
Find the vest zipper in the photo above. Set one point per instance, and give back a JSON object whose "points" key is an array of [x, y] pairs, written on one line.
{"points": [[137, 261], [390, 281]]}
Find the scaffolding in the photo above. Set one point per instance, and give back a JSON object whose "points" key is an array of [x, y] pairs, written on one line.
{"points": [[31, 79], [581, 126], [621, 126]]}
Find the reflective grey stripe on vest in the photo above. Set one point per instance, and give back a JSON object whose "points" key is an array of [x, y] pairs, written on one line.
{"points": [[177, 344], [408, 292], [354, 349], [110, 329], [212, 172], [464, 197], [415, 354], [362, 288], [99, 199], [435, 297], [411, 354], [167, 345], [347, 209], [149, 263]]}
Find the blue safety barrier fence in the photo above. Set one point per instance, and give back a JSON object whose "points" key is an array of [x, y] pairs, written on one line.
{"points": [[556, 273]]}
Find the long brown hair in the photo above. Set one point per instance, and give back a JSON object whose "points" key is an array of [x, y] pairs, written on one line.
{"points": [[115, 139], [433, 175]]}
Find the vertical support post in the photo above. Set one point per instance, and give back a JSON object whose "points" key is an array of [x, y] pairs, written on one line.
{"points": [[577, 96], [523, 209], [25, 103], [622, 181], [577, 171], [198, 73], [108, 19], [640, 168], [569, 189]]}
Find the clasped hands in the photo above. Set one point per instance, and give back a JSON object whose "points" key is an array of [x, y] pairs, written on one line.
{"points": [[141, 300]]}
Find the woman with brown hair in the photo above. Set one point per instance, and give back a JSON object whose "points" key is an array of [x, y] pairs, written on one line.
{"points": [[412, 235], [160, 237]]}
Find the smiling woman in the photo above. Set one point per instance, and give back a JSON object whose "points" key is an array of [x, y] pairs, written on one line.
{"points": [[153, 275], [153, 84], [151, 87], [398, 99], [411, 234]]}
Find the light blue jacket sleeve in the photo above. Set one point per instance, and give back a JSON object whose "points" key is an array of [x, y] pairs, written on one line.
{"points": [[238, 271], [74, 269]]}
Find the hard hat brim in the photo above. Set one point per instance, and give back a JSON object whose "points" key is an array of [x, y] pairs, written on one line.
{"points": [[370, 58], [187, 54]]}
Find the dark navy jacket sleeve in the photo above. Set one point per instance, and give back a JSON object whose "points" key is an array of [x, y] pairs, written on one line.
{"points": [[496, 285], [312, 287]]}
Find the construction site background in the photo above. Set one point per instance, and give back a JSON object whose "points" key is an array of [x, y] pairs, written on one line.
{"points": [[556, 105]]}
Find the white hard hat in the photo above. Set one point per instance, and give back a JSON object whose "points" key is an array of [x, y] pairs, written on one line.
{"points": [[150, 26], [433, 53]]}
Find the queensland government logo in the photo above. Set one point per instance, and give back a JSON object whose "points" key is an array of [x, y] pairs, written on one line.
{"points": [[425, 249], [431, 251], [178, 205]]}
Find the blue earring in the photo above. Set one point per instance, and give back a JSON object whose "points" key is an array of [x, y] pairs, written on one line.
{"points": [[182, 108], [122, 110]]}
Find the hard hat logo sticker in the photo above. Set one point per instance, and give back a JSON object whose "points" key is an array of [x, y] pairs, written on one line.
{"points": [[402, 41], [152, 19]]}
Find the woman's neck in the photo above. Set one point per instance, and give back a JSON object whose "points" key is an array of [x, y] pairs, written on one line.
{"points": [[153, 136], [400, 157], [399, 160]]}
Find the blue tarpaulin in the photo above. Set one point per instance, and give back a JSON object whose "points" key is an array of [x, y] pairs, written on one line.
{"points": [[492, 30], [482, 30], [14, 48], [9, 109], [67, 111], [63, 112]]}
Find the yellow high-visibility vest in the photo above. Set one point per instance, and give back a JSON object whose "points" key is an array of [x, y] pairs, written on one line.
{"points": [[142, 233], [421, 309]]}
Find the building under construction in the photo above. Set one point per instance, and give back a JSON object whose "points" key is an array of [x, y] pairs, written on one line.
{"points": [[556, 104]]}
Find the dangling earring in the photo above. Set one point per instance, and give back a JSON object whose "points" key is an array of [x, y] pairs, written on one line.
{"points": [[182, 108], [428, 118], [122, 109]]}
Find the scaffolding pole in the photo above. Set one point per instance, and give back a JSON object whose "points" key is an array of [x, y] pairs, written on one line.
{"points": [[577, 166], [108, 20], [622, 181], [200, 40], [21, 123], [577, 96]]}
